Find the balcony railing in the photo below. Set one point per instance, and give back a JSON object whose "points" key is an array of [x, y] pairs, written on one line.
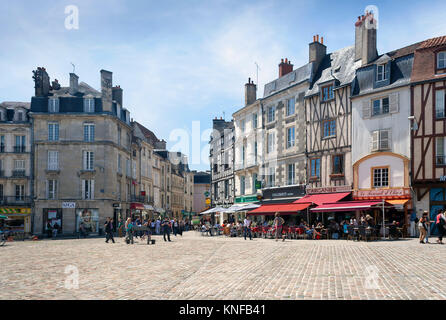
{"points": [[141, 199], [19, 149], [18, 173], [15, 200]]}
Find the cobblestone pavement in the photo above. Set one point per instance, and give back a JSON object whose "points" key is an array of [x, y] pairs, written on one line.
{"points": [[196, 267]]}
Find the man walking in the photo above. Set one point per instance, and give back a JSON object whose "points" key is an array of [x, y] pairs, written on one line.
{"points": [[166, 229], [157, 226], [129, 231], [422, 227], [247, 227], [108, 226]]}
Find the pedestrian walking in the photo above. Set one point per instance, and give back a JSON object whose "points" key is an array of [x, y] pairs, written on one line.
{"points": [[441, 224], [247, 227], [158, 226], [49, 229], [166, 229], [108, 227], [427, 222], [422, 227], [55, 229], [129, 231], [278, 223], [175, 227], [120, 227]]}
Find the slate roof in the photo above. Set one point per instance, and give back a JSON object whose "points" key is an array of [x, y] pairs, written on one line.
{"points": [[339, 65], [150, 136], [299, 75], [83, 90], [400, 71], [15, 104]]}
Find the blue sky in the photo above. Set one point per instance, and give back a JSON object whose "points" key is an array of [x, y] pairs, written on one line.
{"points": [[185, 61]]}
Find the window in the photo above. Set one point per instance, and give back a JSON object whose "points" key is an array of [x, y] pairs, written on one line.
{"points": [[19, 164], [226, 189], [291, 174], [88, 160], [290, 137], [1, 192], [254, 121], [128, 169], [20, 116], [382, 72], [440, 151], [53, 105], [242, 185], [19, 144], [19, 192], [290, 107], [53, 131], [381, 140], [2, 143], [215, 191], [315, 168], [242, 125], [255, 152], [380, 106], [338, 164], [119, 135], [254, 180], [270, 141], [380, 177], [271, 114], [2, 117], [329, 128], [243, 155], [51, 192], [89, 132], [441, 60], [271, 177], [440, 97], [327, 93], [89, 105], [119, 164], [134, 169], [87, 189], [53, 160]]}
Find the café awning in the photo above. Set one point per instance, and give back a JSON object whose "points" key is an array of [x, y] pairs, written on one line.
{"points": [[282, 208], [350, 206], [322, 198], [398, 202], [137, 206]]}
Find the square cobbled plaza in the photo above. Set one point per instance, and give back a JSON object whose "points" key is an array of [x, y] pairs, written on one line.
{"points": [[197, 267]]}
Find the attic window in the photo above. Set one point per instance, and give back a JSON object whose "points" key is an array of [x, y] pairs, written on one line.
{"points": [[441, 60], [381, 72]]}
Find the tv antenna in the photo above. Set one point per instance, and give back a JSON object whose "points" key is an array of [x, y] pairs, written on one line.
{"points": [[74, 67], [257, 74]]}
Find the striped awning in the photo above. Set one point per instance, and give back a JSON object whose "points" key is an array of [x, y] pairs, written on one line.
{"points": [[24, 211]]}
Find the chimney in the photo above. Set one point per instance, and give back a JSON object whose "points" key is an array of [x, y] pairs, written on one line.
{"points": [[365, 38], [317, 51], [55, 84], [250, 92], [117, 95], [285, 67], [41, 82], [106, 89], [74, 80]]}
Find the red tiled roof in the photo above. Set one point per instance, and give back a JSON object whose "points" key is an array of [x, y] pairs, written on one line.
{"points": [[434, 42]]}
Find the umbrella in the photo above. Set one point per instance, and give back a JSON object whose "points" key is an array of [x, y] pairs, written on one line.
{"points": [[213, 210], [249, 207]]}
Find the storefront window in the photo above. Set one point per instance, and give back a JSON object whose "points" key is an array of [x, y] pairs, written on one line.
{"points": [[90, 219], [52, 216]]}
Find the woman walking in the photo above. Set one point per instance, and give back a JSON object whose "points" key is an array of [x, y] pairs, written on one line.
{"points": [[422, 227], [440, 222], [278, 223]]}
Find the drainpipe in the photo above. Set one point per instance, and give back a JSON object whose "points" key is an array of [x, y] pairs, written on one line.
{"points": [[32, 148]]}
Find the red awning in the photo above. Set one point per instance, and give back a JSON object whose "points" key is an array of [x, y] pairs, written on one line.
{"points": [[282, 208], [322, 198], [350, 206], [137, 206]]}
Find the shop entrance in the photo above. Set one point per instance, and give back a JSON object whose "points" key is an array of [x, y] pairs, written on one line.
{"points": [[437, 204]]}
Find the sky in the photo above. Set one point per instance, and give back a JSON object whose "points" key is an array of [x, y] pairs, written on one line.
{"points": [[183, 63]]}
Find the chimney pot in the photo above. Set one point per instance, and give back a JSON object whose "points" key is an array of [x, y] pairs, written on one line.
{"points": [[322, 40]]}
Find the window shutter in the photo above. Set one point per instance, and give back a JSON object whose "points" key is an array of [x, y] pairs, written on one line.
{"points": [[92, 189], [384, 139], [83, 189], [375, 140], [366, 109], [47, 191], [394, 102]]}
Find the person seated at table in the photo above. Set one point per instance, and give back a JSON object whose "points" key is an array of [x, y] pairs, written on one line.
{"points": [[204, 228], [369, 221]]}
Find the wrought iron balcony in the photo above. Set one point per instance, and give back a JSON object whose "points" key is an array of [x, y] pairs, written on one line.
{"points": [[19, 149], [15, 200], [18, 173]]}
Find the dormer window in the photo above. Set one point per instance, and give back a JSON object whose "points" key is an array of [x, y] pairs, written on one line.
{"points": [[20, 116], [327, 92], [53, 105], [441, 60], [89, 105], [382, 73], [2, 118]]}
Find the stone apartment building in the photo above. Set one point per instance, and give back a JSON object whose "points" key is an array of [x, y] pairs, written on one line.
{"points": [[16, 165], [284, 162], [222, 163], [164, 187], [202, 185], [248, 146], [82, 153]]}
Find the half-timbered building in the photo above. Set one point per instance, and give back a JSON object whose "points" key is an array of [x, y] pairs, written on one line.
{"points": [[428, 115]]}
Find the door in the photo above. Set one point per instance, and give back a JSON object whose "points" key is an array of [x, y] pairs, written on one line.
{"points": [[438, 203]]}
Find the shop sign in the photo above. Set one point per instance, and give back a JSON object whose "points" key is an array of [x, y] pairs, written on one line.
{"points": [[285, 192], [208, 201], [382, 193], [68, 205], [15, 210], [116, 205], [329, 189]]}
